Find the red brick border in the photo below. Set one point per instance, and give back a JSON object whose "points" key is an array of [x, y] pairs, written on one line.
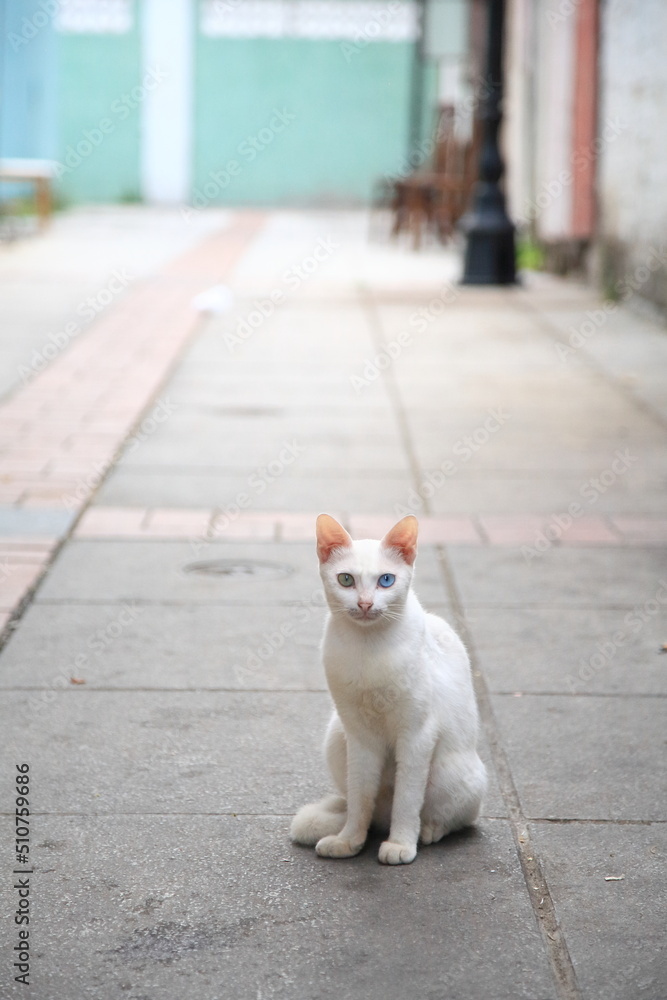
{"points": [[496, 530]]}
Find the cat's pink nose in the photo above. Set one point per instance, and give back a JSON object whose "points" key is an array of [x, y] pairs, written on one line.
{"points": [[365, 605]]}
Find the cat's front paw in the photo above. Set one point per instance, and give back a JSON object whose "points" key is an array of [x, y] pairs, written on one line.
{"points": [[336, 847], [397, 854]]}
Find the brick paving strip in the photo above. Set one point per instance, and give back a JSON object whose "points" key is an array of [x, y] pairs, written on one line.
{"points": [[199, 524], [61, 432]]}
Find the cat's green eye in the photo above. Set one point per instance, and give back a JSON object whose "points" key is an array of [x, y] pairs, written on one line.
{"points": [[346, 579]]}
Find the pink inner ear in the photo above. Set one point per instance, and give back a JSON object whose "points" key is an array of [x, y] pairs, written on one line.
{"points": [[330, 535], [403, 536]]}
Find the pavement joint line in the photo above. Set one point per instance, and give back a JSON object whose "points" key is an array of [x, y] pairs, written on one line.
{"points": [[538, 890], [374, 835], [374, 321], [481, 530], [156, 602], [289, 815], [200, 603], [235, 470], [118, 812], [506, 472], [579, 606], [596, 367], [82, 689], [88, 688], [210, 524], [625, 695], [600, 822], [609, 521]]}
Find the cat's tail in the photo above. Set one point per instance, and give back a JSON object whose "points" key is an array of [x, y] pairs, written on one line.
{"points": [[319, 819]]}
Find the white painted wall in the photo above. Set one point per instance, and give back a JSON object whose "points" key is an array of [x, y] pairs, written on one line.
{"points": [[518, 139], [555, 93], [538, 128], [633, 115], [166, 114]]}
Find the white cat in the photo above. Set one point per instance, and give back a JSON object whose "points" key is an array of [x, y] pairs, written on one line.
{"points": [[402, 742]]}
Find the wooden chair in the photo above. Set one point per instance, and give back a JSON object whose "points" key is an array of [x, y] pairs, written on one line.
{"points": [[435, 198]]}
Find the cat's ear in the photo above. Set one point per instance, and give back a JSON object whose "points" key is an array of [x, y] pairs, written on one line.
{"points": [[403, 536], [330, 535]]}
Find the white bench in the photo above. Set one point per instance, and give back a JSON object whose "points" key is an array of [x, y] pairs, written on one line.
{"points": [[37, 172]]}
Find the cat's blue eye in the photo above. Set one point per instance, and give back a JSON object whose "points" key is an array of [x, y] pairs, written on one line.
{"points": [[387, 580], [345, 579]]}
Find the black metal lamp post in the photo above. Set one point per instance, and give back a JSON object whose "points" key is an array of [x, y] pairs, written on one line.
{"points": [[490, 257]]}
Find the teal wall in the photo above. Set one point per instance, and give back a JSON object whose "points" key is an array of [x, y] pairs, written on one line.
{"points": [[27, 92], [27, 73], [97, 74], [350, 119], [350, 108]]}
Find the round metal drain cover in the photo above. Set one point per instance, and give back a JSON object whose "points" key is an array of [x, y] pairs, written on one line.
{"points": [[240, 568]]}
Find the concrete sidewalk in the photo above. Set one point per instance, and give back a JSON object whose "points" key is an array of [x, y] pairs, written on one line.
{"points": [[160, 674]]}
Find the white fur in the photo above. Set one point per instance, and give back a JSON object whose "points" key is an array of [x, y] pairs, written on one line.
{"points": [[401, 743]]}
